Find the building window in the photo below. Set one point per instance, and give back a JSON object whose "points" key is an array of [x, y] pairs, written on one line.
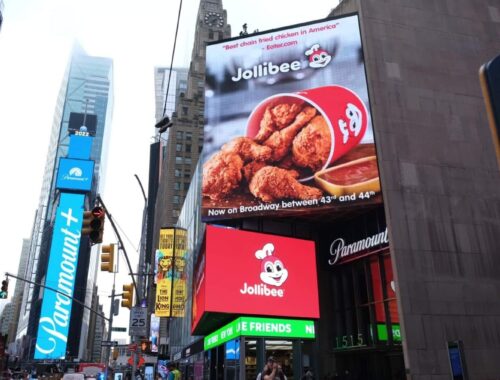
{"points": [[175, 199], [186, 185], [179, 135], [178, 160], [178, 172], [200, 148], [184, 111], [189, 136], [210, 34], [177, 186], [187, 160], [188, 148], [176, 213], [178, 147]]}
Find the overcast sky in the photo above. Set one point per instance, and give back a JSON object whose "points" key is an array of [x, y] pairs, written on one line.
{"points": [[35, 43]]}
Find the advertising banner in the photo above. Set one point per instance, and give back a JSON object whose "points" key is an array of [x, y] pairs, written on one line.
{"points": [[55, 313], [249, 273], [154, 335], [288, 126], [75, 174], [170, 273], [261, 327]]}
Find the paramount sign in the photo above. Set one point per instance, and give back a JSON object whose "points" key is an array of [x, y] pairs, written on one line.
{"points": [[341, 252]]}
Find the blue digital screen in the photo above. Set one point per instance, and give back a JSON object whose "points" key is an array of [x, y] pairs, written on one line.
{"points": [[55, 314], [233, 349], [80, 147], [75, 174]]}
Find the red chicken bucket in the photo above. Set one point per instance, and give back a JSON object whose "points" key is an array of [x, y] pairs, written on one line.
{"points": [[345, 122]]}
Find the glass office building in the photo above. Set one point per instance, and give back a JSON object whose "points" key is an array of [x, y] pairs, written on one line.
{"points": [[87, 89]]}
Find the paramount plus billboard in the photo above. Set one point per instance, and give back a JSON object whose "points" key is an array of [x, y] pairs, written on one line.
{"points": [[55, 314]]}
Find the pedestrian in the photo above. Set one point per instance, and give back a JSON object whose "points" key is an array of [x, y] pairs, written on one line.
{"points": [[272, 370]]}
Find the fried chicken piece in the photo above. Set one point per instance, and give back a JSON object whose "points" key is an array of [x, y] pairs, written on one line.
{"points": [[284, 114], [311, 147], [281, 141], [276, 118], [286, 163], [221, 175], [251, 168], [271, 183], [247, 149]]}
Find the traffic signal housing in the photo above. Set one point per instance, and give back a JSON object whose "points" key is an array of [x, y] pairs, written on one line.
{"points": [[128, 295], [5, 289], [93, 224], [108, 258]]}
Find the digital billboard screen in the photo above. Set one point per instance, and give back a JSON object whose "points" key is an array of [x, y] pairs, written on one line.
{"points": [[55, 313], [288, 127], [75, 174], [249, 273]]}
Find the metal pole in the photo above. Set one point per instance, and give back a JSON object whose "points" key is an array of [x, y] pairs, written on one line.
{"points": [[57, 291], [108, 351], [121, 246]]}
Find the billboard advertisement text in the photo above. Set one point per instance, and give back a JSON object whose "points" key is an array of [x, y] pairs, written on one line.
{"points": [[288, 127], [55, 313], [75, 174], [170, 273], [249, 273]]}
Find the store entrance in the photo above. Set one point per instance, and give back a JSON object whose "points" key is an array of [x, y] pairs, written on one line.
{"points": [[292, 355]]}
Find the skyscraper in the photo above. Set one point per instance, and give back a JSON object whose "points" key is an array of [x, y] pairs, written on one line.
{"points": [[185, 138], [85, 98]]}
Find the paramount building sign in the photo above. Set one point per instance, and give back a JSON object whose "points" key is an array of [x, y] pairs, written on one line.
{"points": [[56, 307], [341, 252]]}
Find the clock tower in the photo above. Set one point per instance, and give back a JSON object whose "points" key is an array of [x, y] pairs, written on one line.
{"points": [[185, 137]]}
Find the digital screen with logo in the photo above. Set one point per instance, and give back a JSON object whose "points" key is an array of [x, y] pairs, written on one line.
{"points": [[288, 125], [249, 273], [75, 174], [55, 313]]}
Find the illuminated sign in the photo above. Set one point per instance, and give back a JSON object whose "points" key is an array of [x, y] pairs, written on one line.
{"points": [[288, 126], [75, 174], [170, 273], [80, 147], [261, 327], [256, 274], [55, 313]]}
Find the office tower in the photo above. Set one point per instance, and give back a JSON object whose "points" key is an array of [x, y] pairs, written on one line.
{"points": [[85, 98], [185, 137]]}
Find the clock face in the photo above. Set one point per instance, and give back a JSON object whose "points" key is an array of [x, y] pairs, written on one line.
{"points": [[214, 19]]}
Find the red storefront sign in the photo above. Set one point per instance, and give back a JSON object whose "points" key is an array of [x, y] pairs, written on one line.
{"points": [[249, 273]]}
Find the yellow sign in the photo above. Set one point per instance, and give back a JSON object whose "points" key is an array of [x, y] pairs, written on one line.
{"points": [[170, 268]]}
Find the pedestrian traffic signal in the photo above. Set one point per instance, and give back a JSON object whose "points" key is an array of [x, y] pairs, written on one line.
{"points": [[93, 224], [108, 258], [128, 295], [5, 289]]}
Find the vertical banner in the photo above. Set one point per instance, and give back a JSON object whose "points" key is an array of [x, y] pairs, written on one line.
{"points": [[55, 314], [154, 335], [170, 273]]}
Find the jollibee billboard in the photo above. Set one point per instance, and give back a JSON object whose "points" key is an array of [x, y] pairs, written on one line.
{"points": [[288, 127], [249, 273]]}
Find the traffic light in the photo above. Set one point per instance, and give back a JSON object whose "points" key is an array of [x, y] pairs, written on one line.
{"points": [[93, 224], [5, 289], [108, 258], [128, 295]]}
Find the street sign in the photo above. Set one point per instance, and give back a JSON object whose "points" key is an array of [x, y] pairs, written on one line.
{"points": [[109, 343], [119, 329], [137, 325], [132, 347]]}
